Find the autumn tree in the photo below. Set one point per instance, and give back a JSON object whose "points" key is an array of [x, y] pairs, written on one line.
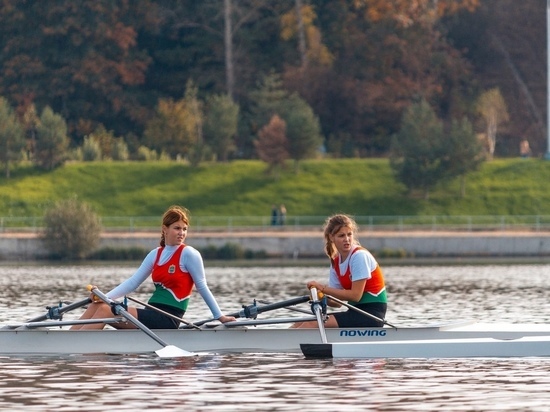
{"points": [[177, 126], [79, 57], [272, 144], [303, 129], [12, 141], [52, 141], [220, 125], [492, 108]]}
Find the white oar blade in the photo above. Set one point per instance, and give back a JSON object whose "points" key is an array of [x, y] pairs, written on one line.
{"points": [[171, 351]]}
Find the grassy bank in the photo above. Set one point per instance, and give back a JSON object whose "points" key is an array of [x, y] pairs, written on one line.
{"points": [[358, 186]]}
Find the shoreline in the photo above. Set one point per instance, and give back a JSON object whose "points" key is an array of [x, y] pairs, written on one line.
{"points": [[300, 247]]}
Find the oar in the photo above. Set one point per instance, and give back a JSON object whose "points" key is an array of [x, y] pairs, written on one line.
{"points": [[316, 307], [56, 311], [168, 351], [251, 311], [293, 309], [370, 315], [163, 312], [59, 324]]}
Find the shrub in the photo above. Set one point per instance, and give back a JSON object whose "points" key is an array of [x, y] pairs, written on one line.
{"points": [[72, 230]]}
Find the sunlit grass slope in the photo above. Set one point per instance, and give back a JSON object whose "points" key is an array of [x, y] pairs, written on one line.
{"points": [[242, 188]]}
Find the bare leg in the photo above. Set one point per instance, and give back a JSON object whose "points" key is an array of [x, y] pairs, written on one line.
{"points": [[311, 324], [103, 311]]}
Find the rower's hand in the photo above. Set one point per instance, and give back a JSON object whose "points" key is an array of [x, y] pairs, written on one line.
{"points": [[224, 319], [319, 286], [94, 298]]}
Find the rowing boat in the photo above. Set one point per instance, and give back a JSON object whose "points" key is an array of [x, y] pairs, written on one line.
{"points": [[50, 335], [526, 346], [43, 338]]}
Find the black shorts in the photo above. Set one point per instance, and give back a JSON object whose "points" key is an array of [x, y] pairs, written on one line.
{"points": [[156, 320], [354, 319]]}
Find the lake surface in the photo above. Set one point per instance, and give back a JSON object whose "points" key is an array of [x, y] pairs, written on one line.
{"points": [[285, 382]]}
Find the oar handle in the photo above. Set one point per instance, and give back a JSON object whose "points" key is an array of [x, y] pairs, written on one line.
{"points": [[316, 307]]}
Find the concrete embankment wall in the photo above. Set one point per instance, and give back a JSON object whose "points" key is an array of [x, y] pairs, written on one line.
{"points": [[310, 244]]}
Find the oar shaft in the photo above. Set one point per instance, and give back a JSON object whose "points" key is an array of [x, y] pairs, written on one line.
{"points": [[370, 315], [251, 311], [61, 310]]}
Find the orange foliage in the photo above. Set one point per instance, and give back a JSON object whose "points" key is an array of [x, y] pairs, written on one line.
{"points": [[407, 12]]}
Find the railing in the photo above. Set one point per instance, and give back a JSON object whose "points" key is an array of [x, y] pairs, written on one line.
{"points": [[300, 223]]}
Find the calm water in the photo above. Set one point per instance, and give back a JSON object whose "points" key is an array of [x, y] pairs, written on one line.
{"points": [[286, 382]]}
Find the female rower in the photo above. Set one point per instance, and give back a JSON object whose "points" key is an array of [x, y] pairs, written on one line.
{"points": [[175, 268], [354, 276]]}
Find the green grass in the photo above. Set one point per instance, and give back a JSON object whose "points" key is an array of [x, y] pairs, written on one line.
{"points": [[362, 187]]}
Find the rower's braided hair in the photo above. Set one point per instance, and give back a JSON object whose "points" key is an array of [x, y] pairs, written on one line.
{"points": [[332, 225], [172, 215]]}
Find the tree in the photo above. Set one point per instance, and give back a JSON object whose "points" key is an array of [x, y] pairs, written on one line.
{"points": [[12, 141], [492, 107], [51, 140], [464, 152], [177, 126], [417, 150], [272, 144], [220, 126], [30, 122], [82, 58], [303, 128], [72, 230]]}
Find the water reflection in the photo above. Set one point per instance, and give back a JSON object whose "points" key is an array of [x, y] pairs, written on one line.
{"points": [[284, 382]]}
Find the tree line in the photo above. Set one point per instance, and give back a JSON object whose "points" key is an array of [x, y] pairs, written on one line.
{"points": [[275, 79]]}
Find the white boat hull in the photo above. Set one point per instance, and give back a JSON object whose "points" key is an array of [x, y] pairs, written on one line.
{"points": [[443, 348], [56, 341]]}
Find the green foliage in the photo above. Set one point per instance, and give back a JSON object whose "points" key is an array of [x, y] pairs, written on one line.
{"points": [[220, 126], [303, 129], [52, 141], [464, 151], [231, 251], [109, 253], [72, 230], [144, 154], [12, 139], [91, 150], [417, 149], [120, 150], [177, 126]]}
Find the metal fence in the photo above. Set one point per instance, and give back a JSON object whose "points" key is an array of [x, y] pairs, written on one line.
{"points": [[301, 223]]}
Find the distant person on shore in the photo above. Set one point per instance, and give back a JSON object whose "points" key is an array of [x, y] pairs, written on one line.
{"points": [[175, 269], [354, 276], [282, 215], [524, 149], [274, 215]]}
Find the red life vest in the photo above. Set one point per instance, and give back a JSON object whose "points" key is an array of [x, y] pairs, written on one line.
{"points": [[169, 277], [374, 285]]}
